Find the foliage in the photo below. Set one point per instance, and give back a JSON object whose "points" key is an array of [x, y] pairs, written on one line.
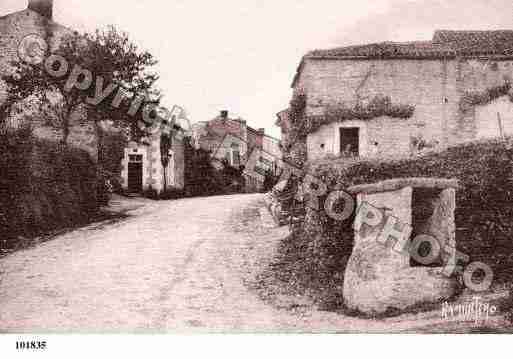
{"points": [[201, 178], [172, 193], [151, 193], [43, 186], [480, 98], [270, 180], [377, 107], [110, 154], [297, 106], [232, 178], [419, 143], [110, 56], [168, 194]]}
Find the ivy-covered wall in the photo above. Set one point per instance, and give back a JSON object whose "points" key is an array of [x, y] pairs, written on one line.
{"points": [[435, 87]]}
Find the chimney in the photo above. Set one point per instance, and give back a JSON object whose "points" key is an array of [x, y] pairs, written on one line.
{"points": [[224, 114], [42, 7]]}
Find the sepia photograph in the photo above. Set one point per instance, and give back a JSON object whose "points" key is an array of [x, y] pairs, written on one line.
{"points": [[255, 167]]}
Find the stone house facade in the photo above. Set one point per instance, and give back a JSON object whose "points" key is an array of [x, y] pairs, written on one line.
{"points": [[37, 19], [142, 167], [434, 76]]}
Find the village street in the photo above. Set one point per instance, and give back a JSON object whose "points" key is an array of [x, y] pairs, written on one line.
{"points": [[172, 266]]}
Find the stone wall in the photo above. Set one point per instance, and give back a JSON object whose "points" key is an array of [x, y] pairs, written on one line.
{"points": [[380, 137], [435, 87]]}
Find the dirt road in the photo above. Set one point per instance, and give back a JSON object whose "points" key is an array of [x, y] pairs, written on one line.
{"points": [[174, 266]]}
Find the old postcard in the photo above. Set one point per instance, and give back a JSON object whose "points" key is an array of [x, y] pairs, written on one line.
{"points": [[172, 167]]}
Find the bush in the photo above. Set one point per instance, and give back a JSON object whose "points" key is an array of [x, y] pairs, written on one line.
{"points": [[316, 253], [168, 194], [479, 98], [43, 185], [203, 179], [110, 156], [172, 193], [151, 193]]}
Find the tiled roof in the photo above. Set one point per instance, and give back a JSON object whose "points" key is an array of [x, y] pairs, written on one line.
{"points": [[444, 43], [384, 50], [499, 42]]}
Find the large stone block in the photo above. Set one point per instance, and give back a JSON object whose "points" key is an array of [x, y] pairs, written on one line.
{"points": [[399, 290], [379, 277]]}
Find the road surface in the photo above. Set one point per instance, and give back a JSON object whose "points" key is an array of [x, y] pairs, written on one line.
{"points": [[172, 267]]}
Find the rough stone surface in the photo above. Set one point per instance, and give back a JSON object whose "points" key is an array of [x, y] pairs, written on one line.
{"points": [[379, 278], [441, 224], [401, 290]]}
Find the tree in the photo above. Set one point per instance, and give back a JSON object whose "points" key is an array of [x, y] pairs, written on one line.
{"points": [[106, 77]]}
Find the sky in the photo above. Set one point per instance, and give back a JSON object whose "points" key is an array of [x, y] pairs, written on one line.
{"points": [[241, 56]]}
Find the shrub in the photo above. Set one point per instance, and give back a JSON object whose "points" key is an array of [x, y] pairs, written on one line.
{"points": [[377, 107], [43, 185], [110, 155], [151, 193], [172, 193], [479, 98]]}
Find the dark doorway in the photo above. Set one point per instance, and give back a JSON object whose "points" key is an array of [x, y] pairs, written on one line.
{"points": [[135, 172], [423, 208], [350, 141]]}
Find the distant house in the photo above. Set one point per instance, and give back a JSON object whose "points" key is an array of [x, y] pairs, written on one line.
{"points": [[232, 141], [156, 162], [391, 99], [37, 19]]}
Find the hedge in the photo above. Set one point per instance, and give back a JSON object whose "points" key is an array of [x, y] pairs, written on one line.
{"points": [[43, 186]]}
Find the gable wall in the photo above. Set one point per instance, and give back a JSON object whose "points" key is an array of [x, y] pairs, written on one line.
{"points": [[435, 87]]}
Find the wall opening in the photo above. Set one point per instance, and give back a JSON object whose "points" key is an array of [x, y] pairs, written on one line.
{"points": [[350, 141], [424, 201], [135, 173]]}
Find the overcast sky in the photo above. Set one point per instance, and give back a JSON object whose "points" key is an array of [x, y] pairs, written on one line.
{"points": [[242, 55]]}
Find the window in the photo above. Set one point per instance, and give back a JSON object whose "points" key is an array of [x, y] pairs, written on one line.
{"points": [[234, 155], [350, 141], [135, 158], [235, 158]]}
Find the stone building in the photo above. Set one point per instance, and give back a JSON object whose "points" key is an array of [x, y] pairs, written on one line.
{"points": [[231, 139], [37, 19], [157, 163], [458, 84]]}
